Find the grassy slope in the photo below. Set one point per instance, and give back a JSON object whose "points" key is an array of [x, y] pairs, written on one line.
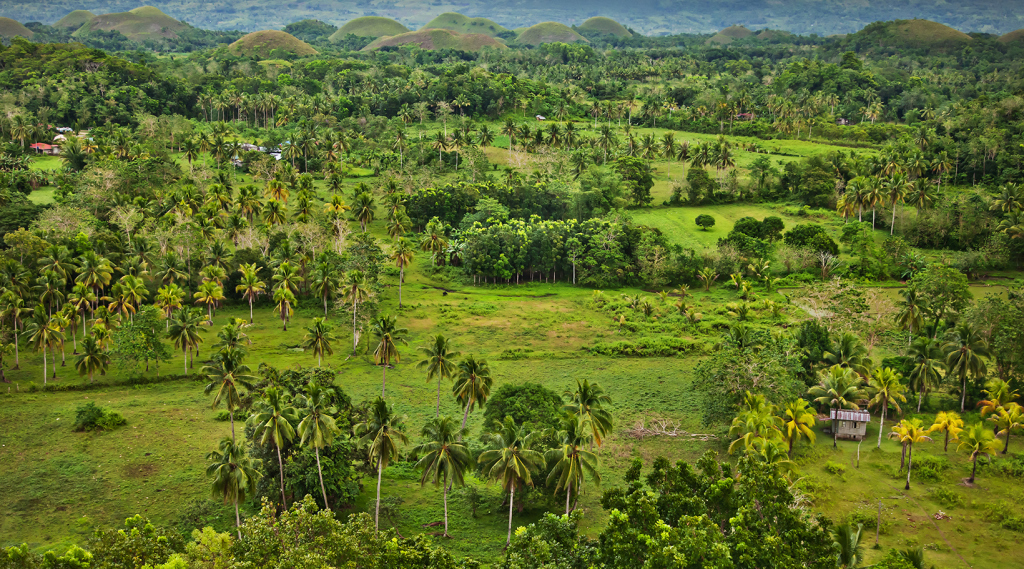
{"points": [[141, 23], [262, 43], [731, 33], [74, 19], [63, 484], [10, 28], [438, 39], [465, 25], [1014, 36], [370, 26], [547, 32], [606, 26]]}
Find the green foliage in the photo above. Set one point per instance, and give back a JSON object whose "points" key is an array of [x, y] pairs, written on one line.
{"points": [[946, 497], [138, 543], [705, 221], [647, 347], [90, 417], [526, 403], [723, 378], [835, 468]]}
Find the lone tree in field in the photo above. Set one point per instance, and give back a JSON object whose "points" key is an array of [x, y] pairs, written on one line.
{"points": [[439, 361], [382, 431], [705, 221], [234, 475], [445, 459]]}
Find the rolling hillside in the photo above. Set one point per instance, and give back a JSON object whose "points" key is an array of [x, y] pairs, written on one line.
{"points": [[1014, 36], [465, 25], [264, 43], [607, 26], [140, 24], [438, 39], [731, 34], [75, 19], [370, 27], [548, 32], [10, 28], [910, 34]]}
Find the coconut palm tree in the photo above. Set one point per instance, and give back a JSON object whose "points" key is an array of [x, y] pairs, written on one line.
{"points": [[402, 256], [998, 394], [389, 335], [838, 388], [511, 461], [285, 299], [912, 311], [325, 283], [473, 385], [43, 334], [439, 362], [964, 352], [226, 374], [756, 422], [168, 299], [588, 402], [444, 459], [364, 209], [977, 440], [234, 475], [92, 359], [250, 285], [847, 539], [887, 389], [286, 276], [318, 338], [570, 461], [275, 423], [317, 428], [797, 423], [1007, 420], [382, 431], [947, 422], [909, 432], [849, 352], [355, 291], [210, 294], [927, 356]]}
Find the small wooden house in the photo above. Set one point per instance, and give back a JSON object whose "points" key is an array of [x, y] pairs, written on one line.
{"points": [[851, 425]]}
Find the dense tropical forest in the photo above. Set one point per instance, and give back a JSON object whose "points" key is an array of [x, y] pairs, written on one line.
{"points": [[478, 297]]}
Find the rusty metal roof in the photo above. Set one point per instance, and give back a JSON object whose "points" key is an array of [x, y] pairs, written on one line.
{"points": [[850, 415]]}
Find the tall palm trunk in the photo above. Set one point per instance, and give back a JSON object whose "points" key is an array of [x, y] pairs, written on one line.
{"points": [[401, 279], [384, 380], [238, 522], [892, 226], [446, 510], [437, 409], [974, 469], [881, 424], [920, 396], [44, 365], [17, 359], [376, 512], [355, 306], [910, 464], [1007, 445], [465, 416], [568, 492], [280, 466], [320, 472], [250, 310], [511, 500], [231, 413], [963, 393], [184, 355]]}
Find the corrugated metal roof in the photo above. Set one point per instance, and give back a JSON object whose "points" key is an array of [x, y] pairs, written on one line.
{"points": [[849, 415]]}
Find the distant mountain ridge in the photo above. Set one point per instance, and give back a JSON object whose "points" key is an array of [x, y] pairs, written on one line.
{"points": [[649, 17]]}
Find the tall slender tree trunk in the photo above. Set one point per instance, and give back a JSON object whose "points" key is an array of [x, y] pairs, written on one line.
{"points": [[881, 424], [320, 471], [44, 366], [445, 510], [920, 396], [892, 226], [355, 305], [250, 310], [17, 359], [231, 413], [238, 522], [568, 492], [974, 469], [401, 279], [963, 394], [384, 380], [376, 512], [437, 410], [280, 466], [465, 416], [184, 355], [910, 464], [1007, 445], [511, 500]]}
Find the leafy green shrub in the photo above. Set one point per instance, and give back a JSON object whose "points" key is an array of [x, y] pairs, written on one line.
{"points": [[90, 417], [835, 468], [869, 519], [947, 498], [928, 467], [1005, 514], [223, 415], [647, 347], [1011, 467], [525, 403]]}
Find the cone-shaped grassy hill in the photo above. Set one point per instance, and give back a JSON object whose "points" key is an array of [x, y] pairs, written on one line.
{"points": [[465, 25], [263, 44], [369, 27], [548, 32], [74, 19], [731, 34], [140, 24], [604, 25], [437, 39], [10, 28], [1014, 36]]}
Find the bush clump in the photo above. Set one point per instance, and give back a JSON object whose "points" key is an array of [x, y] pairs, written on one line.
{"points": [[91, 417], [835, 468], [648, 347]]}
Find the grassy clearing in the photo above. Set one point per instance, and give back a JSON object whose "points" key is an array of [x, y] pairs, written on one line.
{"points": [[679, 225]]}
